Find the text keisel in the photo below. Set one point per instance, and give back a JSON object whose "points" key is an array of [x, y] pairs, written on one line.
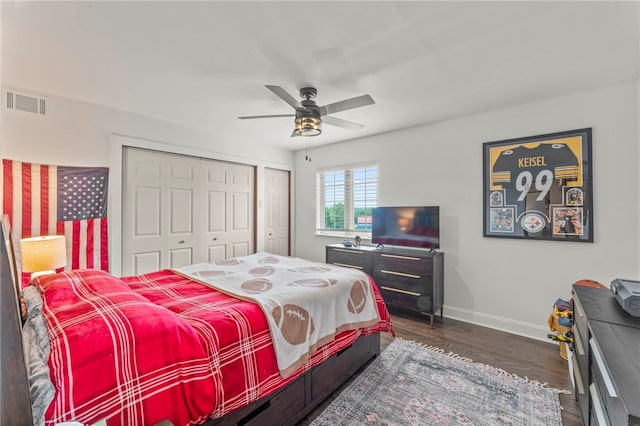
{"points": [[531, 161]]}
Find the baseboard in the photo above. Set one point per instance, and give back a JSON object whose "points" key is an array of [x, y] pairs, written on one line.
{"points": [[533, 331]]}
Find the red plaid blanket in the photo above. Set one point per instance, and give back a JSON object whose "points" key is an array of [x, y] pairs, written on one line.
{"points": [[162, 346], [236, 335], [117, 356]]}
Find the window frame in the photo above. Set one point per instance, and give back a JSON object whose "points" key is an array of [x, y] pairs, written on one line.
{"points": [[349, 201]]}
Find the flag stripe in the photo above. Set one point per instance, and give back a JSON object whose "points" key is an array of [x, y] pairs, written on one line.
{"points": [[31, 194], [35, 199], [104, 245], [44, 198], [26, 200], [17, 202], [89, 249], [75, 244], [53, 212], [7, 207]]}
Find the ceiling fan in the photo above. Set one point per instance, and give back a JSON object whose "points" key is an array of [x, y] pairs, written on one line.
{"points": [[309, 116]]}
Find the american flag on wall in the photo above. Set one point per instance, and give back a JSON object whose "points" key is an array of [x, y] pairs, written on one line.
{"points": [[55, 200]]}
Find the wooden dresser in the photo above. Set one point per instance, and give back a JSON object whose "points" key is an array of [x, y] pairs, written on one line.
{"points": [[606, 362], [411, 280]]}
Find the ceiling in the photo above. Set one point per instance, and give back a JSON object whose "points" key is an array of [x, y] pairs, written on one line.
{"points": [[203, 64]]}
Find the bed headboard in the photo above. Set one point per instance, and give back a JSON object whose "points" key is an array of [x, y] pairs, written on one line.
{"points": [[15, 405]]}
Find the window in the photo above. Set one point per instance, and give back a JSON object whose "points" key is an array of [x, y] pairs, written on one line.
{"points": [[345, 199]]}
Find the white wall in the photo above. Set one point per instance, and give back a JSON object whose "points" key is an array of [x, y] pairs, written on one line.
{"points": [[502, 283], [75, 133]]}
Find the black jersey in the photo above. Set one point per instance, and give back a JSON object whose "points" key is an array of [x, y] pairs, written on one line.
{"points": [[555, 159]]}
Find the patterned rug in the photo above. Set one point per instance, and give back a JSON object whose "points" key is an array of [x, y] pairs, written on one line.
{"points": [[410, 384]]}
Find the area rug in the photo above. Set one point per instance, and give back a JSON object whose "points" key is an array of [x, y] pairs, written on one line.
{"points": [[410, 384]]}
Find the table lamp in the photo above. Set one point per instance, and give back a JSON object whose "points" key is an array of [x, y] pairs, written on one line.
{"points": [[43, 255]]}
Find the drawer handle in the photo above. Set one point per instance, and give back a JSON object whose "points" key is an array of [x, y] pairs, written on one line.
{"points": [[348, 251], [597, 355], [597, 405], [577, 374], [400, 274], [577, 310], [395, 256], [577, 340], [348, 266], [397, 290]]}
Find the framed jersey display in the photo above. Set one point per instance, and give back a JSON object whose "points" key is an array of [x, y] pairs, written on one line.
{"points": [[539, 187]]}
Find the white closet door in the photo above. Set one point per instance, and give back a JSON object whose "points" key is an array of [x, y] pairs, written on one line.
{"points": [[228, 197], [179, 210], [158, 211], [277, 204]]}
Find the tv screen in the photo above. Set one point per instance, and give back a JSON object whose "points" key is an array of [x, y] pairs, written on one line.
{"points": [[406, 226]]}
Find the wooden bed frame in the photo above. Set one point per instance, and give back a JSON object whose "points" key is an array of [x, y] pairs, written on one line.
{"points": [[286, 406]]}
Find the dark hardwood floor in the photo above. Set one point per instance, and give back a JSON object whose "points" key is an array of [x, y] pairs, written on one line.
{"points": [[522, 356]]}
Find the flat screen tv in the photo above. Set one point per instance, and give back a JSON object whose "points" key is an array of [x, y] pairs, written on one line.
{"points": [[406, 226]]}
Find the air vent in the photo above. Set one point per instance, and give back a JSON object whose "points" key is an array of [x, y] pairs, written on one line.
{"points": [[20, 101]]}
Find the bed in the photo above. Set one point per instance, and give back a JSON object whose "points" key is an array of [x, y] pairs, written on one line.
{"points": [[199, 356]]}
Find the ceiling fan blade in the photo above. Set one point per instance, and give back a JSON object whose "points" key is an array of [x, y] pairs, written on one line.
{"points": [[266, 116], [282, 94], [356, 102], [338, 122]]}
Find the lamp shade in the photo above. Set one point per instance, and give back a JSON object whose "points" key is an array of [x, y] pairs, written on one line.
{"points": [[47, 252]]}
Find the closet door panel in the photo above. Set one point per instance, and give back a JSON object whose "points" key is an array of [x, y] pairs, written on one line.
{"points": [[277, 207], [158, 223], [180, 210]]}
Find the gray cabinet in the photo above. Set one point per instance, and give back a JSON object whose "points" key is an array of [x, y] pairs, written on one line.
{"points": [[411, 280], [606, 360]]}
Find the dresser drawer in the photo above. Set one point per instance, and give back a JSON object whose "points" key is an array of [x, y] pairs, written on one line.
{"points": [[581, 366], [422, 266], [580, 323], [415, 301], [598, 415], [615, 369], [350, 258], [406, 281], [617, 413], [581, 383]]}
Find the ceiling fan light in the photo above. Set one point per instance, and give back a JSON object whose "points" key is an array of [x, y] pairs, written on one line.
{"points": [[308, 126]]}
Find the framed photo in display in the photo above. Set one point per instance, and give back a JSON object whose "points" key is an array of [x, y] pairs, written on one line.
{"points": [[539, 187]]}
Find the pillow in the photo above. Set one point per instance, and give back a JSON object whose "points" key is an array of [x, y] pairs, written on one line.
{"points": [[35, 342]]}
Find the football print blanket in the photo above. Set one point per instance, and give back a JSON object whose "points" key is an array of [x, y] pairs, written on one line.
{"points": [[306, 304]]}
